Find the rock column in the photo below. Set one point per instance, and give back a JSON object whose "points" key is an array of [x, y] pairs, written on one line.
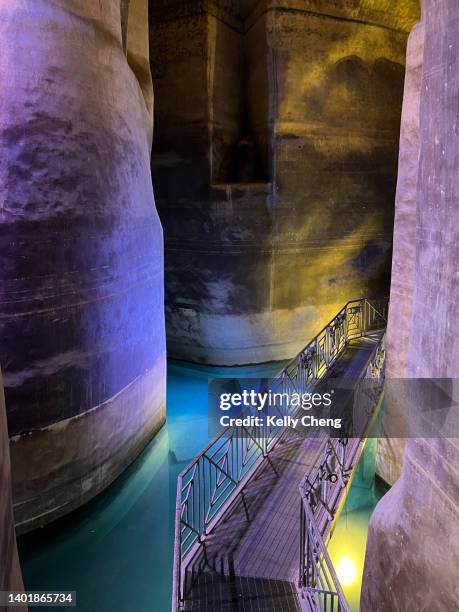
{"points": [[82, 330], [391, 444], [413, 541]]}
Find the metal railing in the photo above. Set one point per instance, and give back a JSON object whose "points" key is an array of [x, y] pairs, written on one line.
{"points": [[209, 486], [323, 489], [320, 584]]}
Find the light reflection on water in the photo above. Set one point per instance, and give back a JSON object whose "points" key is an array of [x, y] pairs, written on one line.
{"points": [[347, 544]]}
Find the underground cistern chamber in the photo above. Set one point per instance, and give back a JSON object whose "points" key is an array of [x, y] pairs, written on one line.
{"points": [[228, 306]]}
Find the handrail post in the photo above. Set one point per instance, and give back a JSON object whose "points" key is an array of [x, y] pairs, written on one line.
{"points": [[177, 595]]}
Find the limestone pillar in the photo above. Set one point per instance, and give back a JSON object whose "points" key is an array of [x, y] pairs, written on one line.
{"points": [[413, 541], [391, 443], [82, 330]]}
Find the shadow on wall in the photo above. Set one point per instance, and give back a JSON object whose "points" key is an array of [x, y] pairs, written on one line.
{"points": [[239, 114]]}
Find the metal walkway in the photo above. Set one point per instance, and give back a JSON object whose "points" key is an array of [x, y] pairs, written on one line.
{"points": [[251, 549]]}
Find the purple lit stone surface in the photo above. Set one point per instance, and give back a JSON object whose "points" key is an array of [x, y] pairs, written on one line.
{"points": [[82, 336]]}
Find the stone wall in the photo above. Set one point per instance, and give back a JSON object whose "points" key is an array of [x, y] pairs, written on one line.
{"points": [[203, 142], [413, 541], [339, 85], [274, 165], [82, 333]]}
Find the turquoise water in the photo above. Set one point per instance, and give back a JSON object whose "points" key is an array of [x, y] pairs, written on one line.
{"points": [[117, 551], [348, 541]]}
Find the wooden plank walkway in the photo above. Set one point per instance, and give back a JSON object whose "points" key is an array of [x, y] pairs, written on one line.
{"points": [[251, 559]]}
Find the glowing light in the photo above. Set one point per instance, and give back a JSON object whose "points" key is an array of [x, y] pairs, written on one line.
{"points": [[346, 571]]}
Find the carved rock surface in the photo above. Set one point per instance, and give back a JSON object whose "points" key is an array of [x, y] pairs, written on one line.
{"points": [[391, 445], [274, 166], [413, 540], [82, 330]]}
